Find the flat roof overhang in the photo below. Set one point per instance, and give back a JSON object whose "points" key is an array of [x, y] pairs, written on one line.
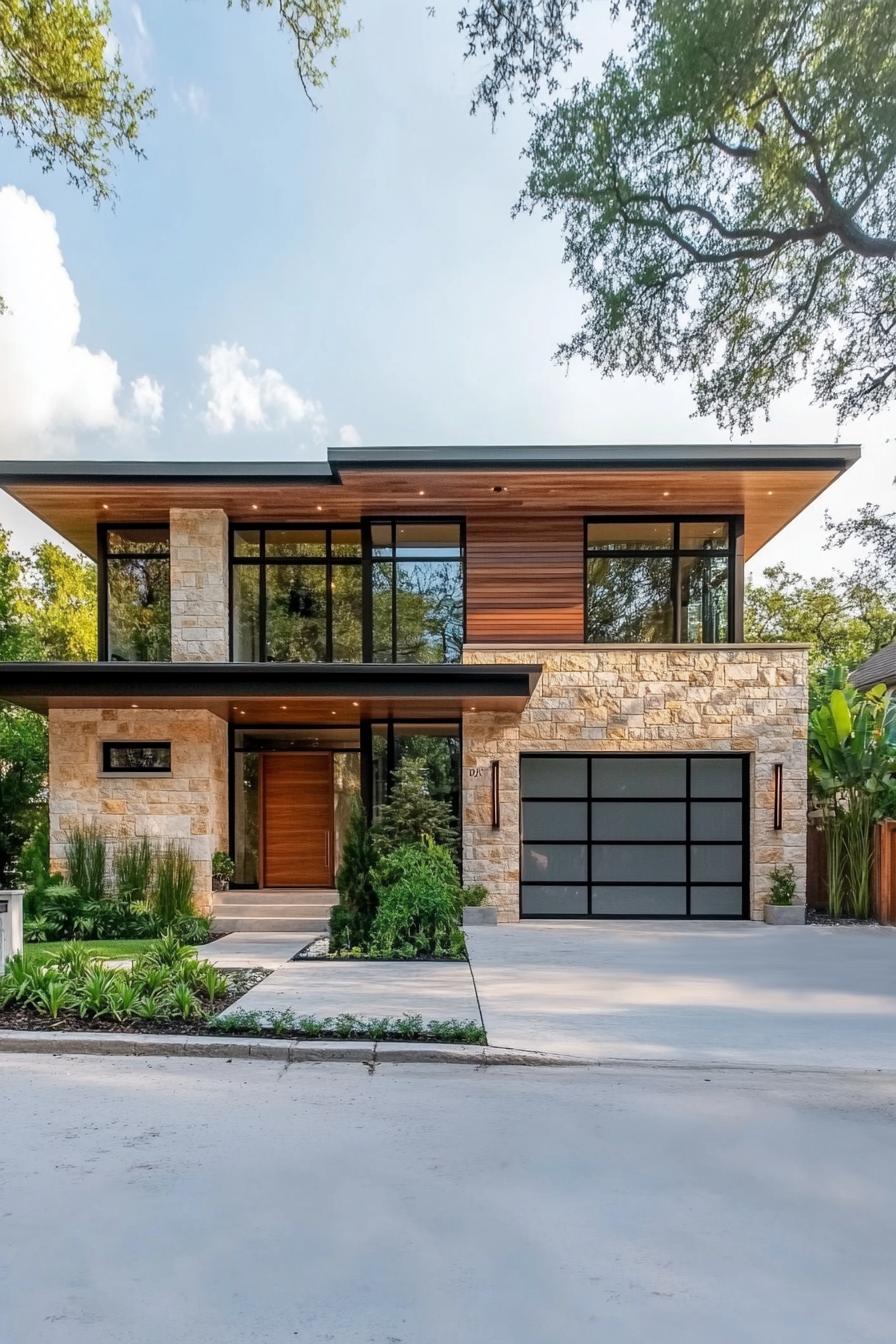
{"points": [[768, 483], [274, 692]]}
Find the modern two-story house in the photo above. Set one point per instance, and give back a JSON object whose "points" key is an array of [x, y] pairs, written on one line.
{"points": [[557, 631]]}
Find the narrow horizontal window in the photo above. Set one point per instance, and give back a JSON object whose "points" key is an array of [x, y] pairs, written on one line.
{"points": [[137, 758]]}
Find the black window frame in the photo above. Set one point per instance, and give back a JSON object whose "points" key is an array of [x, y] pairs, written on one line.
{"points": [[261, 561], [104, 559], [108, 746], [394, 522], [687, 798], [733, 553]]}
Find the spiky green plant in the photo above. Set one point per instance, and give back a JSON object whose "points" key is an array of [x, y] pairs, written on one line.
{"points": [[173, 883], [85, 857], [132, 869]]}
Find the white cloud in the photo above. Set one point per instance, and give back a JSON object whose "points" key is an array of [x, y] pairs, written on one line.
{"points": [[193, 98], [51, 386], [349, 437], [148, 399], [240, 394]]}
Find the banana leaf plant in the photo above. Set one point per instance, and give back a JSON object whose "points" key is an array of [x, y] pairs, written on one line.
{"points": [[852, 763]]}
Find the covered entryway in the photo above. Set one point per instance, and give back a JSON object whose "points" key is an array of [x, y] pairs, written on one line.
{"points": [[634, 836], [297, 819]]}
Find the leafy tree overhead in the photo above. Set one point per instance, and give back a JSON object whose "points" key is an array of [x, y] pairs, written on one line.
{"points": [[727, 190]]}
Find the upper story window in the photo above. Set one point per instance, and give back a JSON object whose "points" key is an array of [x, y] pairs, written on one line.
{"points": [[296, 594], [417, 591], [659, 580], [136, 611]]}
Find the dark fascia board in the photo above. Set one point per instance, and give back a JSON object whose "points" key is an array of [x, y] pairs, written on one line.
{"points": [[560, 457], [166, 473], [408, 681], [527, 457]]}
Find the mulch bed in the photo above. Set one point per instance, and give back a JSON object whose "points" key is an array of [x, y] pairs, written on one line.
{"points": [[18, 1018]]}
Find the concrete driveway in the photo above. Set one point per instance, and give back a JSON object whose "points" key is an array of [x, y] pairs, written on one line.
{"points": [[698, 992]]}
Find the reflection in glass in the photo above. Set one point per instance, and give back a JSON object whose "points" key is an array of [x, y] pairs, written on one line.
{"points": [[631, 536], [245, 817], [704, 599], [138, 609], [629, 599], [246, 615], [296, 615]]}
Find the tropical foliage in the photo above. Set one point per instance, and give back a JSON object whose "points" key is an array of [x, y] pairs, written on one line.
{"points": [[852, 761]]}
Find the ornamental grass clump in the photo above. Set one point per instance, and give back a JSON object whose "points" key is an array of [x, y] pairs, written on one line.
{"points": [[85, 858], [173, 883], [132, 868]]}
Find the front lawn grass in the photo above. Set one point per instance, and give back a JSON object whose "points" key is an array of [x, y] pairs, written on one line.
{"points": [[110, 948]]}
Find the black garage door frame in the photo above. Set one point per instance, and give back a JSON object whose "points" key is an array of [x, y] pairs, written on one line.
{"points": [[690, 844]]}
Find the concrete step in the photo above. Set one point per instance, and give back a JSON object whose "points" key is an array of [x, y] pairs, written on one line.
{"points": [[277, 909], [269, 924]]}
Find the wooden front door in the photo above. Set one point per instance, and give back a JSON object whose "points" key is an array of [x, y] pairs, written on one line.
{"points": [[297, 819]]}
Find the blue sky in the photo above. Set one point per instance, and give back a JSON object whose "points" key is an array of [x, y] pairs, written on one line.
{"points": [[274, 276]]}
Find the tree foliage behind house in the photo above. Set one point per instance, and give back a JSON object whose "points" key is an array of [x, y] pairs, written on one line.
{"points": [[47, 611]]}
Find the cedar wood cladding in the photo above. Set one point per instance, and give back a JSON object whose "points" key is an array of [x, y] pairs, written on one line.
{"points": [[525, 580]]}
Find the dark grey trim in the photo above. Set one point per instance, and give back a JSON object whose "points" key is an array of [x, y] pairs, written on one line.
{"points": [[20, 682], [478, 457], [560, 457]]}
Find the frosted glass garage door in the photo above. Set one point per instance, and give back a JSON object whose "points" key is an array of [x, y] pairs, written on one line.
{"points": [[616, 836]]}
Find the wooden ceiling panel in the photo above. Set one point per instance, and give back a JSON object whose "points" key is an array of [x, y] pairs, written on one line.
{"points": [[768, 498]]}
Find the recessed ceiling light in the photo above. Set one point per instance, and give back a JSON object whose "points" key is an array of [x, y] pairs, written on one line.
{"points": [[242, 711], [282, 706], [135, 706], [421, 492], [355, 703], [255, 506], [771, 492], [332, 711], [320, 508], [472, 706], [105, 506], [665, 494]]}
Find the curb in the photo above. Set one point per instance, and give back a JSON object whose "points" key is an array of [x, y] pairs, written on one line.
{"points": [[286, 1052]]}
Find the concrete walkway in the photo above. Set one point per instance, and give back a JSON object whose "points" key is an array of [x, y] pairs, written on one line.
{"points": [[726, 992], [319, 988], [243, 951]]}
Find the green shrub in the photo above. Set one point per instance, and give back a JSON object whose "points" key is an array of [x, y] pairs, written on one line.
{"points": [[173, 883], [351, 919], [223, 866], [34, 867], [419, 908], [475, 895], [85, 857], [132, 869], [410, 814], [37, 929], [782, 885]]}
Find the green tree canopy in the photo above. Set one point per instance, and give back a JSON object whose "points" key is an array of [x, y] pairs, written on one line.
{"points": [[727, 191]]}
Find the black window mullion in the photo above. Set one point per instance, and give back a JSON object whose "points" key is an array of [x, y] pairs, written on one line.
{"points": [[328, 580], [394, 563], [263, 596]]}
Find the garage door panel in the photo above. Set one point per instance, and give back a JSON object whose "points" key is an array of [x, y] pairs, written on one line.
{"points": [[555, 821], [639, 863], [717, 821], [634, 821], [639, 901], [555, 863], [615, 835], [638, 777], [554, 900], [716, 902]]}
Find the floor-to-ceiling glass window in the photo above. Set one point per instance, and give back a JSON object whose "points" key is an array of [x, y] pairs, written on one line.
{"points": [[296, 594], [437, 744], [659, 580], [417, 591], [137, 595]]}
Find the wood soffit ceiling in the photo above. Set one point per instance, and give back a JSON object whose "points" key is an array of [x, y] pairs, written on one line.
{"points": [[769, 498]]}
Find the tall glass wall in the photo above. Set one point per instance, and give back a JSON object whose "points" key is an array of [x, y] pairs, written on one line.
{"points": [[438, 744], [137, 595]]}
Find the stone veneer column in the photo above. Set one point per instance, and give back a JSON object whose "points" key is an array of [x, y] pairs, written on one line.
{"points": [[200, 619], [744, 698]]}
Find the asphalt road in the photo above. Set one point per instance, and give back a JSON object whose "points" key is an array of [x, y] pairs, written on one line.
{"points": [[144, 1201]]}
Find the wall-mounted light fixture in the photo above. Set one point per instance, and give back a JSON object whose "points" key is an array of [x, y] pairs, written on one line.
{"points": [[778, 805], [496, 795]]}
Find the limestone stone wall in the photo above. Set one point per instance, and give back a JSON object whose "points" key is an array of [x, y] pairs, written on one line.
{"points": [[189, 805], [744, 698], [200, 618]]}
